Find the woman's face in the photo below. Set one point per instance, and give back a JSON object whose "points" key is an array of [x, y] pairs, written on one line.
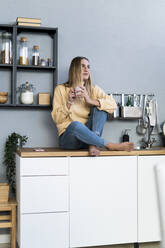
{"points": [[85, 69]]}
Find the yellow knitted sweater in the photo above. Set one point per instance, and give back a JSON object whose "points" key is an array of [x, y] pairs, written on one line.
{"points": [[80, 110]]}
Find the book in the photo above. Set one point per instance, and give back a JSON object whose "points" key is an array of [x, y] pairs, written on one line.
{"points": [[26, 19], [28, 24]]}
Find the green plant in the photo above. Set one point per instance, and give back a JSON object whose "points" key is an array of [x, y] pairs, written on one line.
{"points": [[12, 143]]}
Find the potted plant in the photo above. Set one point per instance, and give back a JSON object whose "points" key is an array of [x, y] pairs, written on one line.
{"points": [[13, 141]]}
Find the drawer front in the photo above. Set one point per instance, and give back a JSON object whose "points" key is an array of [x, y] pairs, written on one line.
{"points": [[44, 230], [44, 194], [43, 166]]}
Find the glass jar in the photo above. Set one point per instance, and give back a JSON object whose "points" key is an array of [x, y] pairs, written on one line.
{"points": [[6, 52], [43, 62], [23, 54], [35, 56], [26, 93]]}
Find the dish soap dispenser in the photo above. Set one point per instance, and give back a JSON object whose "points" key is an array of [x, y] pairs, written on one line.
{"points": [[126, 135]]}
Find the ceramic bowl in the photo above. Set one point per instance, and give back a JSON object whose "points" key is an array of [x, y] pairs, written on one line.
{"points": [[3, 99], [3, 93]]}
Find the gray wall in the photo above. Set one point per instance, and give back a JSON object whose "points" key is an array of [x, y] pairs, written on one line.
{"points": [[125, 42]]}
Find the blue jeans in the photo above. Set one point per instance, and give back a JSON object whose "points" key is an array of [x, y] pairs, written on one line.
{"points": [[80, 136]]}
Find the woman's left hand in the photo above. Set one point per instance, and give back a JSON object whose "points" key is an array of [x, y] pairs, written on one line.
{"points": [[85, 95]]}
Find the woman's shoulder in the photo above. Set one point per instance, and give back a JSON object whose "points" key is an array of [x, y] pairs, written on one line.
{"points": [[96, 87], [62, 87]]}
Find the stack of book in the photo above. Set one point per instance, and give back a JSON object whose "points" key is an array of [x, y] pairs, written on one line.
{"points": [[25, 21]]}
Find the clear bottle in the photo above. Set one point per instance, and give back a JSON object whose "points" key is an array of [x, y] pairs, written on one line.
{"points": [[23, 56], [6, 52], [35, 56]]}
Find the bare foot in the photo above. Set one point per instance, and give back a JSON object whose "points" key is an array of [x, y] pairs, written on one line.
{"points": [[94, 151], [124, 146]]}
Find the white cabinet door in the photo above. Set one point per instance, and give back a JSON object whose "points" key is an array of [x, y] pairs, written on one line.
{"points": [[103, 200], [48, 230], [148, 211], [44, 194]]}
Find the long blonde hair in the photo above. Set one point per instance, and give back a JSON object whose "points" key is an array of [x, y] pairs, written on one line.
{"points": [[75, 76]]}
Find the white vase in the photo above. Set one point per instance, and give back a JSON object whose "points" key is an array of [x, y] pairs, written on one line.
{"points": [[27, 97]]}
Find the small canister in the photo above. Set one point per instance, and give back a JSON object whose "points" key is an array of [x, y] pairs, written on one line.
{"points": [[43, 62], [35, 56]]}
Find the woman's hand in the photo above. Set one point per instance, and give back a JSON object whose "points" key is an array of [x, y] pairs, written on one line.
{"points": [[84, 93], [71, 96]]}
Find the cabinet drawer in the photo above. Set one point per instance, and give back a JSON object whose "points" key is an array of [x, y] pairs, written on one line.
{"points": [[44, 230], [43, 166], [44, 194]]}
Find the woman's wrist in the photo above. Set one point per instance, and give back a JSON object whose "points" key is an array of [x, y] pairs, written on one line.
{"points": [[70, 102], [94, 102]]}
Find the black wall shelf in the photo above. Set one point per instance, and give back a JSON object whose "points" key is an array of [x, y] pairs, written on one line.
{"points": [[14, 68]]}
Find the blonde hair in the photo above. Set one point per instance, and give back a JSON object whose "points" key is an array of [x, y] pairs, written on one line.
{"points": [[75, 77]]}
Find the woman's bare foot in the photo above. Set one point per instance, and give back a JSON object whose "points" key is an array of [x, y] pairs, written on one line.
{"points": [[124, 146], [94, 151]]}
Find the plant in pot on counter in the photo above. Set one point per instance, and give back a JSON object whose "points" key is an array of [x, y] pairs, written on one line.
{"points": [[13, 141]]}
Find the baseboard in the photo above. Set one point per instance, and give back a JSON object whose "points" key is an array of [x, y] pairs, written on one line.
{"points": [[4, 238]]}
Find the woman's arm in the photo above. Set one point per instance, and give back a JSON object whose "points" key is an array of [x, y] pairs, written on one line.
{"points": [[107, 103], [60, 111], [99, 99]]}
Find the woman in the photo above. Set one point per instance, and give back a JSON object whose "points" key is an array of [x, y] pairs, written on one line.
{"points": [[80, 111]]}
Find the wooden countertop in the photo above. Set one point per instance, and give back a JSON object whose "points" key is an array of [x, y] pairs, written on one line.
{"points": [[57, 152]]}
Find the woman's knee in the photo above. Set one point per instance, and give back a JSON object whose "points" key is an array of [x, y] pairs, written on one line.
{"points": [[100, 113], [76, 125]]}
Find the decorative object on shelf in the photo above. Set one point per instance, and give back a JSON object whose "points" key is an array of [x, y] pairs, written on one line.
{"points": [[43, 62], [35, 56], [13, 141], [4, 192], [6, 52], [3, 97], [49, 62], [131, 112], [23, 57], [44, 98], [129, 101], [26, 93], [25, 21]]}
